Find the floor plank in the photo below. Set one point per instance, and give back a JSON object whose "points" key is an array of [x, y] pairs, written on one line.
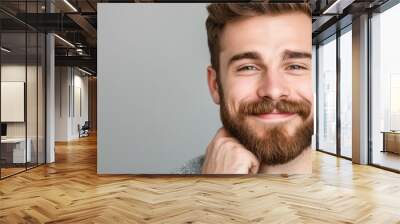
{"points": [[70, 191]]}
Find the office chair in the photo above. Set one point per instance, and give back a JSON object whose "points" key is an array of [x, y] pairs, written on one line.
{"points": [[84, 130]]}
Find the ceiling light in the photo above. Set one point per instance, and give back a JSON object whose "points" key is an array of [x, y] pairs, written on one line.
{"points": [[5, 50], [84, 71], [329, 9], [70, 5], [64, 40], [338, 6]]}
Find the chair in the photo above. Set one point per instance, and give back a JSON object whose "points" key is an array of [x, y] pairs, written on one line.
{"points": [[84, 130]]}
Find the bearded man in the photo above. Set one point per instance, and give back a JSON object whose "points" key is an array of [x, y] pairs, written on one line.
{"points": [[260, 76]]}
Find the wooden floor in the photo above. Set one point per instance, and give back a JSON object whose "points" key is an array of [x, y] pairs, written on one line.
{"points": [[5, 172], [70, 191], [388, 159]]}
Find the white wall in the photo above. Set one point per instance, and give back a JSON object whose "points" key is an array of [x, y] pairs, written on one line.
{"points": [[79, 117], [67, 80], [62, 80]]}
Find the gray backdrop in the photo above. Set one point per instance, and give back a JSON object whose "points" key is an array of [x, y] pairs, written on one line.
{"points": [[154, 109]]}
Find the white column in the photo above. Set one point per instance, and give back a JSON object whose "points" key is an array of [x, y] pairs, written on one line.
{"points": [[50, 82], [50, 92], [360, 90]]}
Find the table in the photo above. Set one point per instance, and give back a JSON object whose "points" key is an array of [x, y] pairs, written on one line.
{"points": [[15, 148], [391, 141]]}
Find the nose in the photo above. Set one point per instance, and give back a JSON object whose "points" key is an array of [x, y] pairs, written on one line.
{"points": [[273, 86]]}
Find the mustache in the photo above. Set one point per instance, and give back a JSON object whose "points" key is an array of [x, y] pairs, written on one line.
{"points": [[303, 108]]}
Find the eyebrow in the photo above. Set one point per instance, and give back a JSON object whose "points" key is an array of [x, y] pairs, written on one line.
{"points": [[245, 55], [288, 54]]}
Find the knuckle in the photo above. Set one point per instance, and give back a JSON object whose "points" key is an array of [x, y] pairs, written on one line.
{"points": [[220, 142], [243, 154], [229, 145]]}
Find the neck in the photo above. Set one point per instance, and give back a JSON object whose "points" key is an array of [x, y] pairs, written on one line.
{"points": [[302, 164]]}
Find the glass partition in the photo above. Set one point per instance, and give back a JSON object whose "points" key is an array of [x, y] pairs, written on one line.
{"points": [[41, 87], [22, 77], [327, 95], [14, 153], [32, 95]]}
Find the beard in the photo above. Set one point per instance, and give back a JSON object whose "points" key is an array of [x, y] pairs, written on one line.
{"points": [[275, 145]]}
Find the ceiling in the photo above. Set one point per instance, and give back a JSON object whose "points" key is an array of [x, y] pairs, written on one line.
{"points": [[76, 22]]}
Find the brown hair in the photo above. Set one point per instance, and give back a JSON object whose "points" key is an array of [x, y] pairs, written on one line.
{"points": [[220, 14]]}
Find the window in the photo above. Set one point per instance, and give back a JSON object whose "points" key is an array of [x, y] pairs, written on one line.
{"points": [[385, 89], [327, 95], [346, 92]]}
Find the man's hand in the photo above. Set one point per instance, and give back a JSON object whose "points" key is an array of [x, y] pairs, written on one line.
{"points": [[225, 155]]}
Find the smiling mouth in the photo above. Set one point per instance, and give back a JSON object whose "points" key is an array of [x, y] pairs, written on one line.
{"points": [[274, 116]]}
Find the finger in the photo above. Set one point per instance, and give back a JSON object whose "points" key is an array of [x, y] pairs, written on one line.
{"points": [[242, 169], [220, 137], [249, 164], [254, 169], [254, 164]]}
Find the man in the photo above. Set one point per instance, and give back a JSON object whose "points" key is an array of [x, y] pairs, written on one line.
{"points": [[260, 75]]}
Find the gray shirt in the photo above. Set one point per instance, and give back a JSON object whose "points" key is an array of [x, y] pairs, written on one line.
{"points": [[193, 166]]}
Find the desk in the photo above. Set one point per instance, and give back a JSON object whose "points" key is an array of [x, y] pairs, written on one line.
{"points": [[391, 141], [15, 148]]}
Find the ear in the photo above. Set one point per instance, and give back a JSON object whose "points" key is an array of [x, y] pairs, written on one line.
{"points": [[213, 84]]}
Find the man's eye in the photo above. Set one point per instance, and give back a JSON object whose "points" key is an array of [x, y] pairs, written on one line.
{"points": [[296, 67], [247, 68]]}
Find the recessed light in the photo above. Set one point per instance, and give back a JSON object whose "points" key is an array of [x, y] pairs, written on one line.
{"points": [[64, 40], [5, 50], [70, 5], [84, 71]]}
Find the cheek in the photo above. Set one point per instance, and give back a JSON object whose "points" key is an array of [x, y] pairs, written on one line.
{"points": [[304, 91], [240, 90], [303, 88]]}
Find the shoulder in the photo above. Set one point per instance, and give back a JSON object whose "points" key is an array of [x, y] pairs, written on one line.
{"points": [[192, 166]]}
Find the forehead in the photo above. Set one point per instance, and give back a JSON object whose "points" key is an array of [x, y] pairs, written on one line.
{"points": [[267, 33]]}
